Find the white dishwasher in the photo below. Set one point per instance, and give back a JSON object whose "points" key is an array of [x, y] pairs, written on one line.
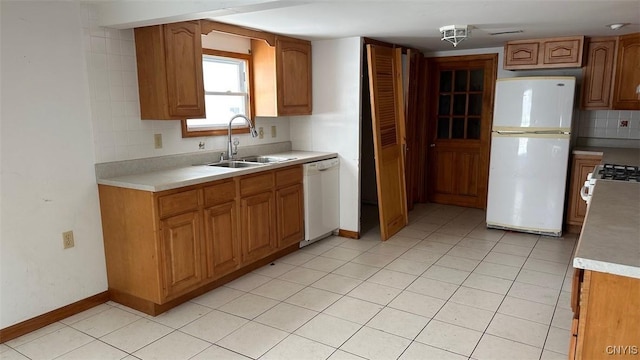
{"points": [[321, 199]]}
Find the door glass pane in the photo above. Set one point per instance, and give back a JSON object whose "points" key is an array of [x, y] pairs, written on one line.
{"points": [[445, 81], [457, 130], [443, 128], [444, 105], [459, 104], [461, 80], [475, 104], [477, 80], [473, 128]]}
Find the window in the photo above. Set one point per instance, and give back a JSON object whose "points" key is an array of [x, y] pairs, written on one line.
{"points": [[227, 91]]}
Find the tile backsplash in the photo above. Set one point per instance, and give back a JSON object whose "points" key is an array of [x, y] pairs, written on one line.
{"points": [[605, 124], [118, 132]]}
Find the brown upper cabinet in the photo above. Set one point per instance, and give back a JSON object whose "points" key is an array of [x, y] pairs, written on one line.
{"points": [[597, 75], [282, 77], [169, 59], [612, 73], [562, 52], [626, 88]]}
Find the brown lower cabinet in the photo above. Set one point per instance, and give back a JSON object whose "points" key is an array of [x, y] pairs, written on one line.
{"points": [[581, 165], [166, 247], [606, 311]]}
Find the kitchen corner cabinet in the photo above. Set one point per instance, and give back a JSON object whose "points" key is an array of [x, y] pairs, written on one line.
{"points": [[597, 75], [282, 77], [626, 88], [164, 248], [169, 61], [563, 52], [581, 165], [606, 311]]}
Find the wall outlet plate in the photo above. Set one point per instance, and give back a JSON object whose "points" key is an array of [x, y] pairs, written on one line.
{"points": [[67, 240], [157, 141], [273, 131], [623, 123]]}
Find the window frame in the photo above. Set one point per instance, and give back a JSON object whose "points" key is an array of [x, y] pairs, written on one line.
{"points": [[250, 103]]}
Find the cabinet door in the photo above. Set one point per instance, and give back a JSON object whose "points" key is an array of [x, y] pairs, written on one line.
{"points": [[521, 55], [293, 76], [221, 239], [562, 52], [581, 166], [598, 73], [290, 215], [183, 52], [626, 94], [257, 226], [181, 253]]}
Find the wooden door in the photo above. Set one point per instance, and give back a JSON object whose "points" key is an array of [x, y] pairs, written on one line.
{"points": [[459, 122], [257, 226], [293, 62], [221, 239], [183, 53], [290, 215], [626, 93], [387, 117], [412, 133], [181, 253]]}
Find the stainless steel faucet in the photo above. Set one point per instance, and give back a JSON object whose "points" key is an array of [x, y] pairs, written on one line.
{"points": [[230, 150]]}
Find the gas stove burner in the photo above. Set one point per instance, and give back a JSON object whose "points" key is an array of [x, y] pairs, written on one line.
{"points": [[620, 172]]}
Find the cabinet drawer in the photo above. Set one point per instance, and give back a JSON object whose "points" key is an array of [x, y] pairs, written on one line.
{"points": [[289, 176], [256, 183], [176, 203], [219, 193]]}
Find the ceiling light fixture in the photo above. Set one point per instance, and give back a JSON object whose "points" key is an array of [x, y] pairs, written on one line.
{"points": [[455, 33], [617, 26]]}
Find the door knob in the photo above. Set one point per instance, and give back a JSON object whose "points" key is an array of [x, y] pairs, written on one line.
{"points": [[432, 145]]}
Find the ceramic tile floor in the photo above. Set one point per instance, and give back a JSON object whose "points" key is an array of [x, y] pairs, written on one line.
{"points": [[443, 288]]}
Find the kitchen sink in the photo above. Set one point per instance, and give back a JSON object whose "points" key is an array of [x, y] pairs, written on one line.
{"points": [[236, 164], [266, 159]]}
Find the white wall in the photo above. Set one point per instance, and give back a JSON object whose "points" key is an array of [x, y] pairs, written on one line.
{"points": [[118, 131], [335, 123], [47, 163]]}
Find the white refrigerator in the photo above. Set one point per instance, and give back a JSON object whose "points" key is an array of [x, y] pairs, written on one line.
{"points": [[529, 154]]}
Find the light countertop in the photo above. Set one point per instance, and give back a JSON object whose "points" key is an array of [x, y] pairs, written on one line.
{"points": [[619, 156], [191, 175], [610, 238]]}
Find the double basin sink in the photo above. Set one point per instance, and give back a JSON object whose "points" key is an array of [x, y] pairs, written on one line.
{"points": [[250, 161]]}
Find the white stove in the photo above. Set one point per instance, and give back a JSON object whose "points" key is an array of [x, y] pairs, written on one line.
{"points": [[608, 172]]}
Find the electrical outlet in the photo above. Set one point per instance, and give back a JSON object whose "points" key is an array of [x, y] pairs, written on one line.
{"points": [[260, 133], [623, 123], [273, 131], [67, 239], [157, 141]]}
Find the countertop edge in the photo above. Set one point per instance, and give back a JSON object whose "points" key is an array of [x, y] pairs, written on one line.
{"points": [[126, 182], [606, 267]]}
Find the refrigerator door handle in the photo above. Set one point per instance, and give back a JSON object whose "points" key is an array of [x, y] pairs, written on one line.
{"points": [[552, 132], [509, 132]]}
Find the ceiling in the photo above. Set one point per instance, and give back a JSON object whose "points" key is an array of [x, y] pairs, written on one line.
{"points": [[412, 23]]}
